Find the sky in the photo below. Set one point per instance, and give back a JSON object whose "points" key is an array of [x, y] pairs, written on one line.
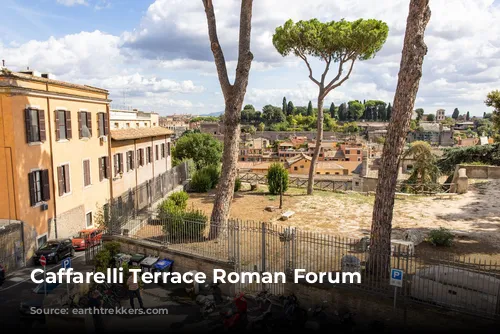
{"points": [[155, 55]]}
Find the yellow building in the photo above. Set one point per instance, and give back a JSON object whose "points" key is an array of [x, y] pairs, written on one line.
{"points": [[54, 154], [141, 158], [301, 164]]}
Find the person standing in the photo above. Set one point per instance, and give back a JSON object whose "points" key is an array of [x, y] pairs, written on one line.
{"points": [[95, 301], [134, 292]]}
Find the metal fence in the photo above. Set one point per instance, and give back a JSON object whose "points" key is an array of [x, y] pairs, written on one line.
{"points": [[301, 182], [130, 209], [433, 278], [425, 188]]}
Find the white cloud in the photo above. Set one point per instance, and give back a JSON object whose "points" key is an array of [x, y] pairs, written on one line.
{"points": [[169, 53], [70, 3]]}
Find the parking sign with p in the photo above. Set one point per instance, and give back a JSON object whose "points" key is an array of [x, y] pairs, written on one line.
{"points": [[397, 277], [66, 263]]}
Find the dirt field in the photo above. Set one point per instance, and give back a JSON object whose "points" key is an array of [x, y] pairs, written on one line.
{"points": [[474, 217]]}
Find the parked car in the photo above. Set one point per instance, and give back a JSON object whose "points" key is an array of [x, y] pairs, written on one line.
{"points": [[87, 238], [2, 274], [55, 250], [35, 301]]}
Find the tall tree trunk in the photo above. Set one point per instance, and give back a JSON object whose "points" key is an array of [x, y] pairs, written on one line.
{"points": [[319, 141], [234, 95], [223, 197], [410, 72]]}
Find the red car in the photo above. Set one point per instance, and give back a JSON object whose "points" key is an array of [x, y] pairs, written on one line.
{"points": [[87, 238]]}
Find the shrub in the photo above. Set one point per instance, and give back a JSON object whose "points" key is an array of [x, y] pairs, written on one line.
{"points": [[102, 260], [237, 184], [112, 247], [180, 199], [277, 177], [440, 237], [185, 225], [214, 172], [166, 207], [201, 182], [205, 179]]}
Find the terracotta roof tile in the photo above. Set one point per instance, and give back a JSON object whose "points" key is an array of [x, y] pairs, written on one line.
{"points": [[137, 133]]}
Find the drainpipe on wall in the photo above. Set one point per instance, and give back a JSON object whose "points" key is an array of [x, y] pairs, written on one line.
{"points": [[110, 177], [136, 204], [49, 122]]}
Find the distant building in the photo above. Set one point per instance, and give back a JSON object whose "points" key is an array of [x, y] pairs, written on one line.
{"points": [[132, 119], [461, 126], [433, 133], [440, 115]]}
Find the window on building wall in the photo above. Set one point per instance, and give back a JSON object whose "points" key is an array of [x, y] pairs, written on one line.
{"points": [[302, 166], [163, 150], [63, 179], [359, 159], [154, 124], [117, 125], [88, 219], [295, 168], [347, 151], [86, 173], [359, 152], [168, 148], [39, 187], [157, 152], [41, 241], [118, 163], [137, 125], [102, 124], [145, 124], [327, 173], [63, 124], [34, 125], [130, 160], [140, 157], [84, 124], [104, 168], [127, 125], [347, 159], [149, 155]]}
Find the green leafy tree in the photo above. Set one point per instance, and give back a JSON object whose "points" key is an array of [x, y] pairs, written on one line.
{"points": [[310, 109], [332, 111], [301, 111], [252, 130], [341, 42], [382, 113], [284, 108], [202, 148], [389, 112], [420, 113], [356, 109], [261, 127], [425, 169], [467, 117], [249, 107], [290, 109], [485, 127], [342, 112], [277, 178], [272, 114], [455, 114], [431, 118]]}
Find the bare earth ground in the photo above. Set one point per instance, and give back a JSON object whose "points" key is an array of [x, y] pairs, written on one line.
{"points": [[474, 217]]}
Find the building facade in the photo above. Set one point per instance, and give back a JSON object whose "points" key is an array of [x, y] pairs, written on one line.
{"points": [[129, 119], [43, 182], [440, 116]]}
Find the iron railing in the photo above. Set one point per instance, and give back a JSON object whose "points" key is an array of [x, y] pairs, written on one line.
{"points": [[469, 285], [301, 182]]}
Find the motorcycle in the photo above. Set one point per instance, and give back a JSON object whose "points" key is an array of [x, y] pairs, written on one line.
{"points": [[294, 314], [262, 322]]}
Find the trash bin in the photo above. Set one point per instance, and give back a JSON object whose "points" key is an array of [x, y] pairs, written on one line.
{"points": [[147, 263], [136, 259], [121, 258], [163, 266]]}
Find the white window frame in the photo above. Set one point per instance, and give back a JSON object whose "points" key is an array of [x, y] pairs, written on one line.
{"points": [[46, 235], [91, 217]]}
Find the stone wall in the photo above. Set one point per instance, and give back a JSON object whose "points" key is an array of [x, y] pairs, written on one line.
{"points": [[182, 262], [481, 172], [70, 222]]}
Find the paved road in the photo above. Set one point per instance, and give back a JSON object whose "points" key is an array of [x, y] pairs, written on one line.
{"points": [[17, 288]]}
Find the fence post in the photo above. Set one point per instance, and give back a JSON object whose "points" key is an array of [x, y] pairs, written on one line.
{"points": [[263, 255]]}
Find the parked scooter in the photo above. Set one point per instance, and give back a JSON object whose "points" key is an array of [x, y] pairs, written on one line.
{"points": [[294, 314], [262, 322], [208, 302], [236, 319]]}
